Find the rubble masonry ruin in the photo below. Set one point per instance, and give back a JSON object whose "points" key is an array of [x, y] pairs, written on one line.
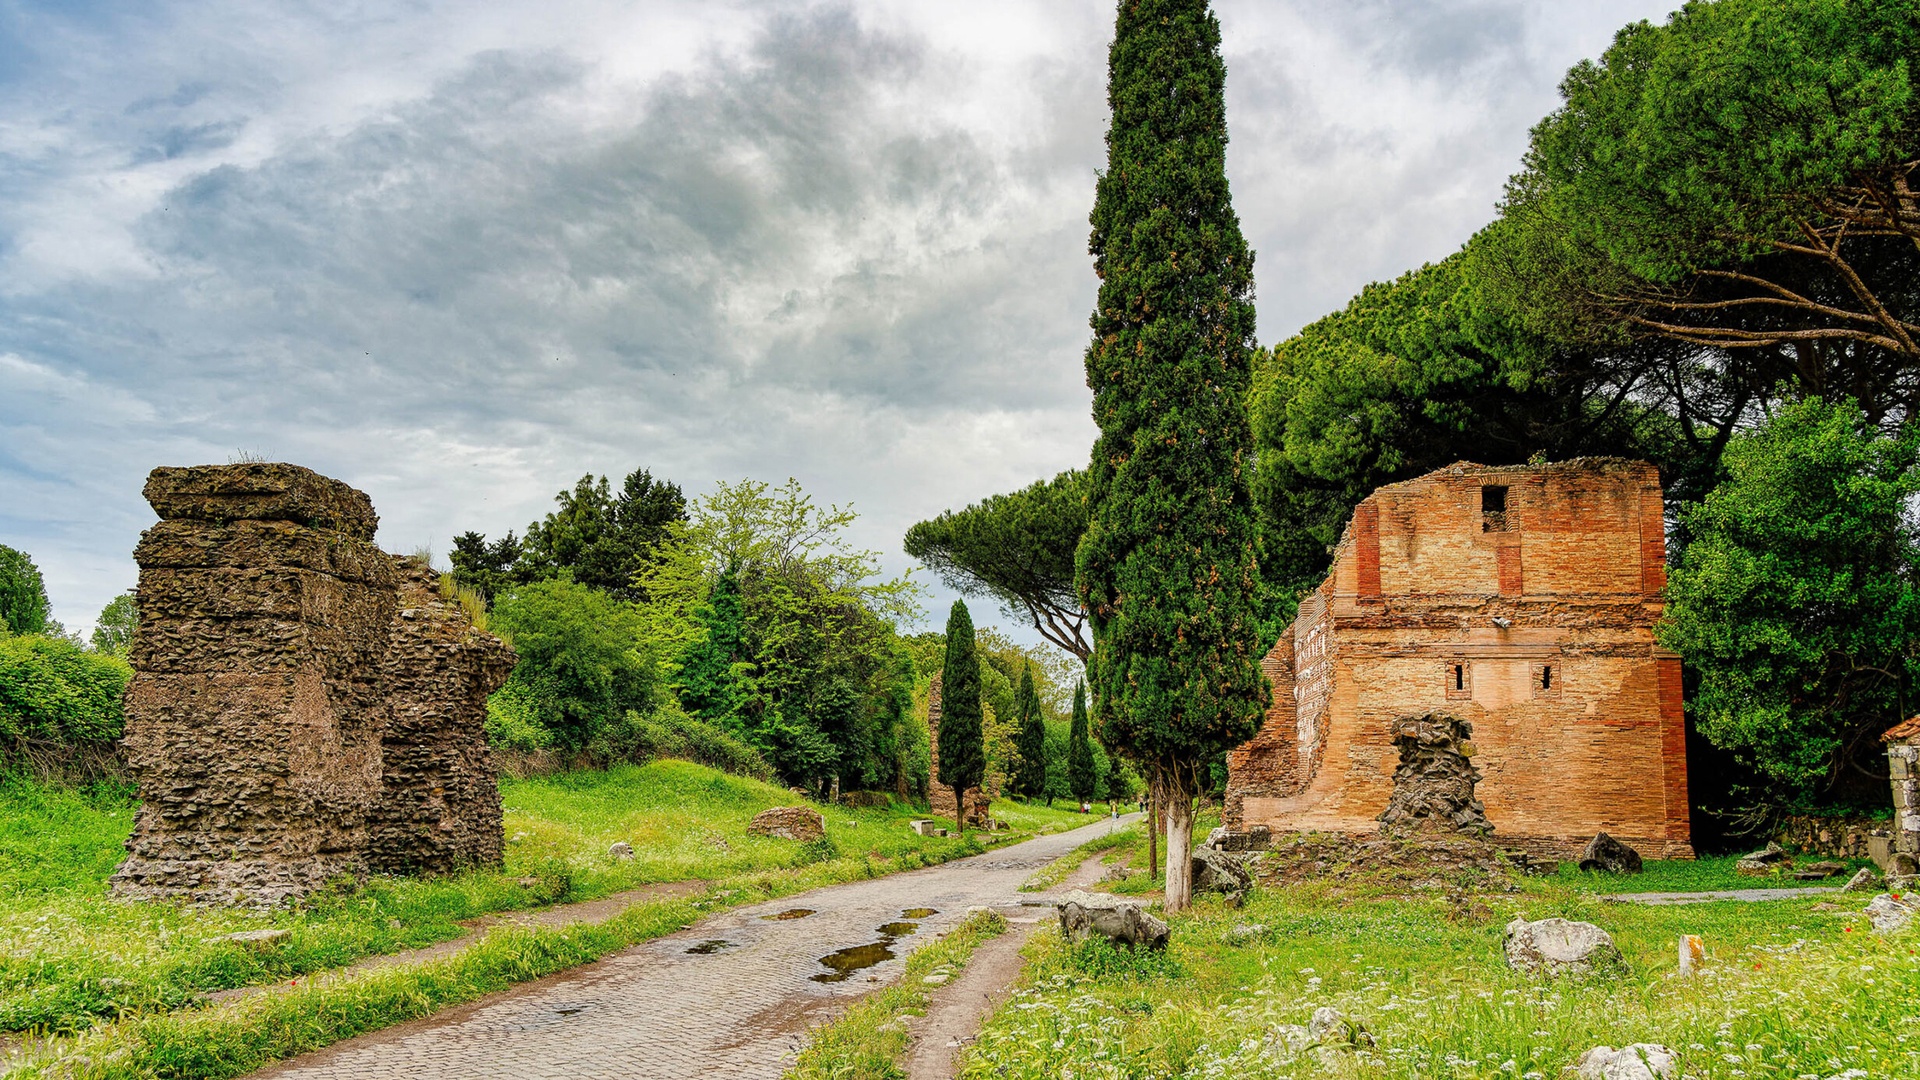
{"points": [[1903, 762], [303, 705], [1519, 601]]}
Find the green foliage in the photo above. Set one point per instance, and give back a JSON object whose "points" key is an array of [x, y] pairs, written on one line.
{"points": [[113, 630], [1018, 549], [52, 691], [670, 733], [782, 633], [23, 594], [1030, 777], [1082, 779], [963, 752], [597, 538], [513, 719], [1167, 568], [1739, 178], [1796, 601], [1412, 376], [583, 661]]}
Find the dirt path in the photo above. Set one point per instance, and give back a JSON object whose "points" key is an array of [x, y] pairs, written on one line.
{"points": [[1747, 895], [956, 1011], [732, 996]]}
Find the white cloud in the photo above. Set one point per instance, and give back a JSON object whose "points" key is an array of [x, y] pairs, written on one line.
{"points": [[459, 256]]}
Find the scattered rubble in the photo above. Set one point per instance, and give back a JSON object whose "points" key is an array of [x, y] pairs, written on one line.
{"points": [[1560, 947], [1609, 856], [1433, 786], [789, 823], [1083, 914], [1889, 912], [1640, 1061], [1862, 881]]}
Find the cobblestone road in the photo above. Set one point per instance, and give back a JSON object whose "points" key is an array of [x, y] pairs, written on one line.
{"points": [[661, 1010]]}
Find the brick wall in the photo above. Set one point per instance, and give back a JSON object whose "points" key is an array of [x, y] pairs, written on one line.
{"points": [[1575, 711]]}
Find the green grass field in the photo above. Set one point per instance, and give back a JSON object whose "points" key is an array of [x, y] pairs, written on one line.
{"points": [[1793, 990], [70, 957]]}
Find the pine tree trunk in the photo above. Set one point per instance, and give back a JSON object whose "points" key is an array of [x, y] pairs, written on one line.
{"points": [[1179, 815]]}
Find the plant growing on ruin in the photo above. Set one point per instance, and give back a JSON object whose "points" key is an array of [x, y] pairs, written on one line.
{"points": [[963, 751], [1167, 568]]}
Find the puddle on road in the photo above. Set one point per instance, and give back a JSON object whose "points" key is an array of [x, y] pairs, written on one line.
{"points": [[899, 929], [919, 912], [711, 946], [847, 961], [790, 913]]}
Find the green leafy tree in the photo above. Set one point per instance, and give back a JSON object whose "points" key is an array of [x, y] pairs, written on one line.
{"points": [[54, 693], [1167, 569], [1018, 549], [963, 751], [113, 630], [1796, 602], [1082, 777], [712, 668], [583, 660], [23, 594], [1030, 779], [597, 537], [486, 568], [1741, 180]]}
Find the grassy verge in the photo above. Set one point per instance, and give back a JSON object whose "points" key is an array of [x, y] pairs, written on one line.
{"points": [[1057, 871], [1794, 989], [868, 1042], [71, 958]]}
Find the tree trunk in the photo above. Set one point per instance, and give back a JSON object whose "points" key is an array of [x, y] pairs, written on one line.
{"points": [[1179, 815], [960, 809], [1153, 826]]}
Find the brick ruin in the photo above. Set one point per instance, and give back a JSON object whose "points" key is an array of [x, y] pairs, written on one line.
{"points": [[1903, 761], [939, 796], [304, 705], [1515, 604]]}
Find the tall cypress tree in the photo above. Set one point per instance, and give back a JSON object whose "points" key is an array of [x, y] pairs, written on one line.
{"points": [[1080, 771], [1031, 742], [963, 747], [1167, 567]]}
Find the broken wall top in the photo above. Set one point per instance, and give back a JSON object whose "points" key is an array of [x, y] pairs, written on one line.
{"points": [[260, 491]]}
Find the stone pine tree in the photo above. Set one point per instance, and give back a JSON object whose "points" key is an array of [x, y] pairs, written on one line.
{"points": [[1080, 771], [963, 748], [1167, 567], [1031, 742]]}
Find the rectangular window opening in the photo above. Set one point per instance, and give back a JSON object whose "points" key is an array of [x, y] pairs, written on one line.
{"points": [[1493, 508], [1546, 677], [1459, 676]]}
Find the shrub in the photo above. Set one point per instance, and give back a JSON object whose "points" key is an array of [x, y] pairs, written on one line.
{"points": [[668, 732], [54, 692]]}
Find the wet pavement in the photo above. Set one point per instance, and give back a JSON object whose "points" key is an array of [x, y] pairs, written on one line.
{"points": [[732, 996]]}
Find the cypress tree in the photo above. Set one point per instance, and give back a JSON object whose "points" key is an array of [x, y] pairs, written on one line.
{"points": [[1080, 771], [1032, 739], [1167, 567], [963, 747]]}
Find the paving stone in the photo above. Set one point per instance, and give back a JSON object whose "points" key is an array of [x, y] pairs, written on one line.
{"points": [[657, 1010]]}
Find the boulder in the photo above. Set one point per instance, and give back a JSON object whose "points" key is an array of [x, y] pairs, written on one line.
{"points": [[789, 823], [1609, 856], [1084, 914], [1641, 1061], [1216, 871], [1890, 913], [1861, 882], [1763, 862], [1817, 871], [620, 850], [1559, 947], [1329, 1027], [1257, 838]]}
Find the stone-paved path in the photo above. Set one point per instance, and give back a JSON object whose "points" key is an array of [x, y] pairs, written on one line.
{"points": [[659, 1010], [1746, 895]]}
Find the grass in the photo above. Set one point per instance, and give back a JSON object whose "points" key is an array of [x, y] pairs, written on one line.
{"points": [[71, 958], [868, 1042], [1791, 992]]}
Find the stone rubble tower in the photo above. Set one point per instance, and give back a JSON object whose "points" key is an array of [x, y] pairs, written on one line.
{"points": [[1903, 761], [1433, 789], [303, 705]]}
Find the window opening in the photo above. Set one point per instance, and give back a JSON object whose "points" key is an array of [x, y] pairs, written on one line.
{"points": [[1546, 677], [1459, 676], [1493, 508]]}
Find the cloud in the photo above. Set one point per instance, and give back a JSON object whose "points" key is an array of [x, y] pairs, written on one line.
{"points": [[460, 261]]}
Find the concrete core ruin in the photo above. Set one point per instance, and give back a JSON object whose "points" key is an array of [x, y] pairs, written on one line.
{"points": [[1482, 652], [304, 705]]}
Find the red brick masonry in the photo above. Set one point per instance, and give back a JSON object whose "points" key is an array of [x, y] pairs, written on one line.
{"points": [[1576, 713]]}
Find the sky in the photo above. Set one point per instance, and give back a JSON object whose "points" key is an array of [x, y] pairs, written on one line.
{"points": [[459, 254]]}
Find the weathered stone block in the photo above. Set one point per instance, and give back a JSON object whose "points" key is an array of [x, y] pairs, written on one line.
{"points": [[1084, 914], [1559, 947], [261, 491], [789, 823]]}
